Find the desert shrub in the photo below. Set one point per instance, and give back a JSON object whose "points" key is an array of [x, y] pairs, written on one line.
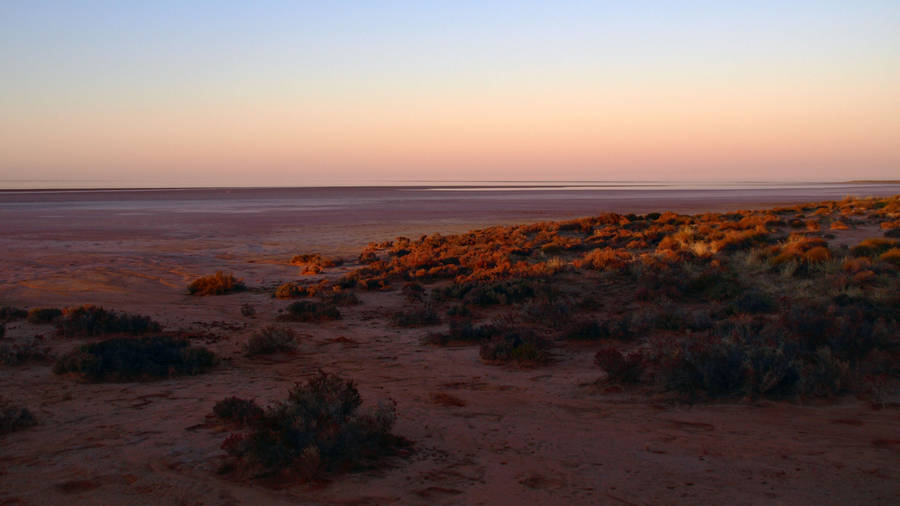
{"points": [[89, 320], [248, 311], [502, 293], [715, 367], [421, 315], [219, 283], [616, 327], [873, 247], [271, 339], [895, 233], [825, 375], [309, 311], [17, 354], [9, 313], [516, 345], [459, 310], [238, 411], [771, 371], [414, 292], [621, 367], [604, 259], [2, 330], [317, 429], [314, 263], [134, 359], [292, 290], [14, 418], [464, 332], [341, 298], [891, 256], [753, 302], [41, 315]]}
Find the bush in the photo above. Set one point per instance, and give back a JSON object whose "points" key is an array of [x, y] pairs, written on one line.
{"points": [[18, 354], [317, 429], [516, 345], [248, 311], [753, 302], [91, 320], [134, 359], [2, 330], [271, 339], [238, 411], [219, 283], [872, 247], [503, 293], [463, 332], [619, 367], [14, 418], [616, 327], [291, 290], [308, 311], [891, 256], [419, 316], [41, 315], [9, 313], [341, 299]]}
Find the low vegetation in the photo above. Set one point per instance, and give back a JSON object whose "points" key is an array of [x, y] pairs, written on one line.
{"points": [[219, 283], [42, 315], [271, 339], [319, 429], [18, 354], [136, 359], [309, 311], [89, 320], [14, 418]]}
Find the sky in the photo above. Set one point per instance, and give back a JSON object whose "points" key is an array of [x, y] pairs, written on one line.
{"points": [[218, 93]]}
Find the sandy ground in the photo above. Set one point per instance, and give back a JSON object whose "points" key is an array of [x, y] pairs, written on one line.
{"points": [[530, 436]]}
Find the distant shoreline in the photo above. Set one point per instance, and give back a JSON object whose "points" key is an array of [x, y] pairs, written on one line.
{"points": [[586, 185]]}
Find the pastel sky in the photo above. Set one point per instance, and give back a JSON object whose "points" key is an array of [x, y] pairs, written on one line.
{"points": [[296, 93]]}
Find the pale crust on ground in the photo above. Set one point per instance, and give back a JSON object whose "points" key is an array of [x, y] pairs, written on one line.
{"points": [[521, 436]]}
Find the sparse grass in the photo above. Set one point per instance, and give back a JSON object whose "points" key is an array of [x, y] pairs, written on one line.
{"points": [[271, 339], [136, 359], [219, 283], [319, 429], [14, 418]]}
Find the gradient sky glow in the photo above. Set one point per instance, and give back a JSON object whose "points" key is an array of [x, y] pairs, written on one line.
{"points": [[295, 93]]}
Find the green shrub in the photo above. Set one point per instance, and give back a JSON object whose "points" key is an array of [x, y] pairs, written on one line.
{"points": [[309, 311], [88, 320], [135, 359], [271, 339], [14, 418], [40, 315], [219, 283], [317, 429]]}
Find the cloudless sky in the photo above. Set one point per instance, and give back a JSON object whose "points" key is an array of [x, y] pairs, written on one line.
{"points": [[294, 93]]}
